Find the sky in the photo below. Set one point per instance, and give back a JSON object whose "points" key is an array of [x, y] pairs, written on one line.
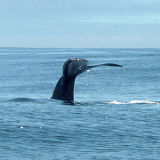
{"points": [[80, 23]]}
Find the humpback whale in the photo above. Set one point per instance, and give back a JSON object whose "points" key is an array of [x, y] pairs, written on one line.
{"points": [[64, 89]]}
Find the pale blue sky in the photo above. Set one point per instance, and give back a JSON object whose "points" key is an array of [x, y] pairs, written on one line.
{"points": [[80, 23]]}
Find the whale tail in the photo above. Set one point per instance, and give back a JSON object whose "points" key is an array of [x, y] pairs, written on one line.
{"points": [[64, 89]]}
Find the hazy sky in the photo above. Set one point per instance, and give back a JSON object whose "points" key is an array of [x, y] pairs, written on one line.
{"points": [[80, 23]]}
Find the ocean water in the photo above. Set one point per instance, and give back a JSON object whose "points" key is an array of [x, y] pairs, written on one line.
{"points": [[115, 116]]}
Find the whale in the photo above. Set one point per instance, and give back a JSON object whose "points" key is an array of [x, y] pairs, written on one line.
{"points": [[64, 89]]}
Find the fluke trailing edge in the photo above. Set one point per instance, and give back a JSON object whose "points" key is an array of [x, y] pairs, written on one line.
{"points": [[64, 89]]}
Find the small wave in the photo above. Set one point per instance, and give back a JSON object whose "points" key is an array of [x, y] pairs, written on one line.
{"points": [[22, 100], [134, 102]]}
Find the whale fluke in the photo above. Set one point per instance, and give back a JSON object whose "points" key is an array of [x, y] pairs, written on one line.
{"points": [[105, 64], [64, 89]]}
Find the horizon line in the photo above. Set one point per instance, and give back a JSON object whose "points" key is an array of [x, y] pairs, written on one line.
{"points": [[84, 47]]}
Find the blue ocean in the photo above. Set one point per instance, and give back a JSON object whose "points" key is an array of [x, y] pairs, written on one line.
{"points": [[115, 116]]}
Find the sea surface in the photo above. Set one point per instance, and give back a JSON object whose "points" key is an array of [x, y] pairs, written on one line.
{"points": [[115, 116]]}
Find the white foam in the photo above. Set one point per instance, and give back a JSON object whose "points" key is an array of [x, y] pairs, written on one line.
{"points": [[134, 102], [142, 102], [116, 102]]}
